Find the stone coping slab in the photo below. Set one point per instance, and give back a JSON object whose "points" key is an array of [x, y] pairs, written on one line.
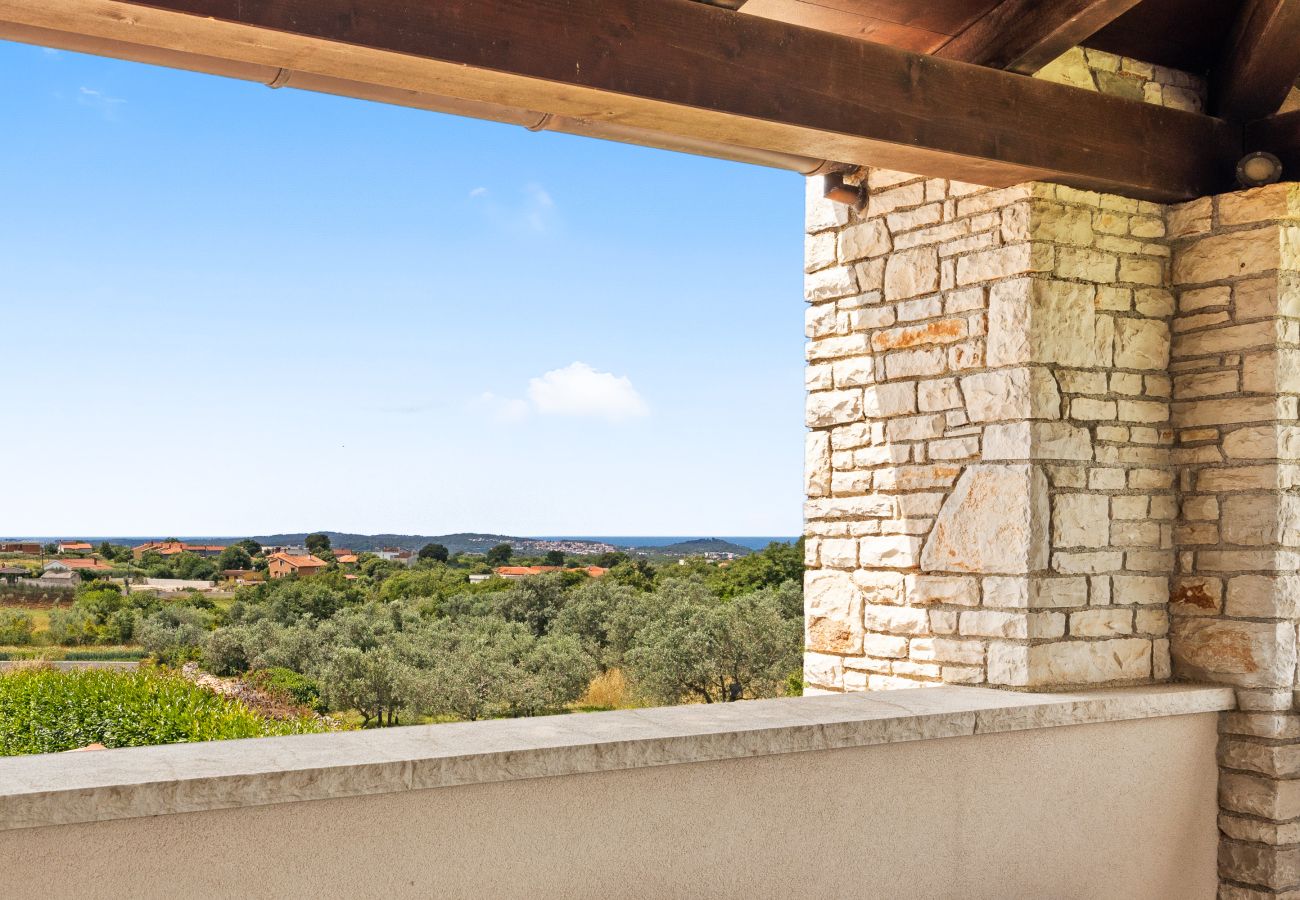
{"points": [[62, 789]]}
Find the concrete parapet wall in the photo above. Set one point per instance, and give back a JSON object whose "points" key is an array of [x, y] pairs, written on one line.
{"points": [[954, 792]]}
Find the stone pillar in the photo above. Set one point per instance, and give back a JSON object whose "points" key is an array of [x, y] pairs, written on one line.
{"points": [[1055, 440], [990, 491], [1236, 377], [990, 498]]}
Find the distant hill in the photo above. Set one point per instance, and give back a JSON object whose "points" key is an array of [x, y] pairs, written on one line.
{"points": [[698, 547], [472, 542], [462, 542]]}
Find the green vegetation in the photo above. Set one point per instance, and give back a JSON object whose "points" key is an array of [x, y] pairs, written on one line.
{"points": [[17, 626], [44, 711], [384, 644]]}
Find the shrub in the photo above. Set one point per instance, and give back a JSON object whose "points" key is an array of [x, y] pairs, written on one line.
{"points": [[16, 626], [73, 626], [287, 683], [173, 634], [46, 711]]}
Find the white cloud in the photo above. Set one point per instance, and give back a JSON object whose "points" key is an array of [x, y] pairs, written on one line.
{"points": [[98, 100], [529, 210], [579, 390]]}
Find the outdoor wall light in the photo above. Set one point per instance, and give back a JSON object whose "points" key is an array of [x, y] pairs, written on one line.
{"points": [[834, 188], [1258, 169]]}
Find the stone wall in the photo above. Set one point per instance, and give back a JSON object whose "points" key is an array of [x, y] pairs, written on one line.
{"points": [[988, 481], [1055, 440], [1236, 382], [1132, 79]]}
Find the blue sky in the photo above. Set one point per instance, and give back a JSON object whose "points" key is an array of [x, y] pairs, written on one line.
{"points": [[227, 310]]}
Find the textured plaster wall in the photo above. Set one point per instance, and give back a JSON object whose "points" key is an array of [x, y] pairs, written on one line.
{"points": [[1021, 814]]}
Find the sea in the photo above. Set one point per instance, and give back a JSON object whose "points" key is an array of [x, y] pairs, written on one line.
{"points": [[750, 541]]}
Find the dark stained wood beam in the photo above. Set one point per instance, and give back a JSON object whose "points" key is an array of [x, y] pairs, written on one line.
{"points": [[1261, 63], [690, 72], [1279, 135], [1025, 35]]}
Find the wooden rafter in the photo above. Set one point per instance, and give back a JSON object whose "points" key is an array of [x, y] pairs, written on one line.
{"points": [[1025, 35], [1262, 61], [690, 71]]}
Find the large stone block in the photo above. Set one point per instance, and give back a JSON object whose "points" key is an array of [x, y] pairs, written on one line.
{"points": [[833, 408], [1274, 868], [1276, 201], [1081, 520], [1141, 344], [911, 273], [817, 463], [1037, 440], [1228, 651], [832, 613], [994, 522], [1234, 255], [1043, 320], [1069, 662], [1011, 395]]}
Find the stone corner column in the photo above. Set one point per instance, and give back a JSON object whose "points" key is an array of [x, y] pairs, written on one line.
{"points": [[1236, 595], [989, 484]]}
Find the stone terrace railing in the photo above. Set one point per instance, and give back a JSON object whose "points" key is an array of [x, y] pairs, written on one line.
{"points": [[943, 792]]}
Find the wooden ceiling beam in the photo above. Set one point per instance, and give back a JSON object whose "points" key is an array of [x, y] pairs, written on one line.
{"points": [[1261, 63], [1025, 35], [1279, 135], [692, 72]]}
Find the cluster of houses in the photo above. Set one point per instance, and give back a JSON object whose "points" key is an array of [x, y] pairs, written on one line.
{"points": [[282, 562]]}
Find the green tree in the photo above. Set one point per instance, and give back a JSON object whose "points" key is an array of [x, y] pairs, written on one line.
{"points": [[236, 556], [636, 573], [174, 634], [711, 650], [376, 683], [192, 566], [16, 627], [72, 626], [605, 617], [317, 542], [499, 555], [432, 584], [251, 547], [553, 558], [771, 567], [482, 667], [434, 553]]}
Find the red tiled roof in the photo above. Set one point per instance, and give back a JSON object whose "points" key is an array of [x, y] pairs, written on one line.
{"points": [[299, 562], [171, 548], [84, 564]]}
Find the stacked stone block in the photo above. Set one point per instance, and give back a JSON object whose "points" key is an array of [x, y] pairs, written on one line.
{"points": [[1055, 440], [988, 477], [1236, 381], [989, 482]]}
